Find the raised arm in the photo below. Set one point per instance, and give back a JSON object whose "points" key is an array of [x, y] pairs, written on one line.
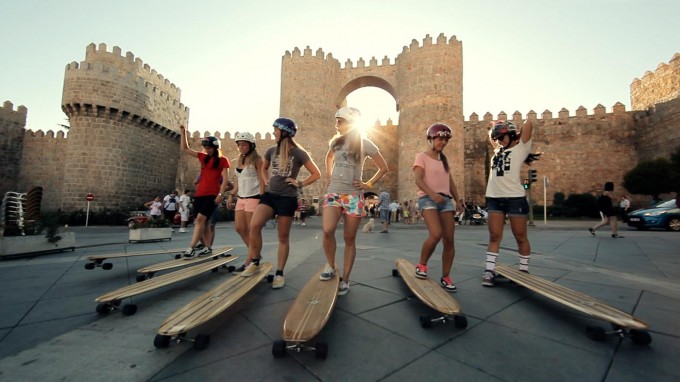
{"points": [[527, 130], [184, 143]]}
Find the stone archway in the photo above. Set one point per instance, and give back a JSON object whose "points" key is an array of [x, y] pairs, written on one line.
{"points": [[426, 82]]}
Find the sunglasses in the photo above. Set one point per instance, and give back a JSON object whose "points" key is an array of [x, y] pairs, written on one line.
{"points": [[500, 138]]}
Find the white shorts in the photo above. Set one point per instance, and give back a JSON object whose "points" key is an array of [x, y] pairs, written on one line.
{"points": [[184, 215]]}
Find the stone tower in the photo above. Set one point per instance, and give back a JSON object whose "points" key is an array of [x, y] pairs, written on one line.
{"points": [[426, 82], [123, 144], [12, 123]]}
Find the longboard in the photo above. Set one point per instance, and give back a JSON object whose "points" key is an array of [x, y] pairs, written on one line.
{"points": [[111, 300], [307, 316], [205, 308], [624, 324], [148, 272], [432, 295], [98, 260]]}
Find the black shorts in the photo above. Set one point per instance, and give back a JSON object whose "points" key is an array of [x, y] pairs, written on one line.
{"points": [[205, 205], [282, 205]]}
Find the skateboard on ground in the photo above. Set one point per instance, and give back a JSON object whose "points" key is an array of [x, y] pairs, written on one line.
{"points": [[307, 316], [112, 300], [623, 323], [148, 272], [431, 294], [205, 308], [98, 260]]}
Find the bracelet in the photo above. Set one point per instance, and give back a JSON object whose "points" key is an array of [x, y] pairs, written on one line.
{"points": [[369, 184]]}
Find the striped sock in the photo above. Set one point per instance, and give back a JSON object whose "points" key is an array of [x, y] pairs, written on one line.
{"points": [[491, 261], [523, 263]]}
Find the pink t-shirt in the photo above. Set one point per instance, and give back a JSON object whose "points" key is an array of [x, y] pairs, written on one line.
{"points": [[435, 176]]}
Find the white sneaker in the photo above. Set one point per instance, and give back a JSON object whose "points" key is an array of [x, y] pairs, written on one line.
{"points": [[278, 282], [303, 224], [250, 270], [205, 251], [328, 273], [182, 230], [190, 253], [343, 289]]}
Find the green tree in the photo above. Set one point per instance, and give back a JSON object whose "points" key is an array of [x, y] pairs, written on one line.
{"points": [[652, 177]]}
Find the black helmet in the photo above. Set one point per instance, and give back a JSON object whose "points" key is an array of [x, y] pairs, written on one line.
{"points": [[287, 125], [210, 142], [501, 128]]}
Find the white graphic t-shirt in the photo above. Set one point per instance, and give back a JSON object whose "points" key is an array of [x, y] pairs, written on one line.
{"points": [[504, 178]]}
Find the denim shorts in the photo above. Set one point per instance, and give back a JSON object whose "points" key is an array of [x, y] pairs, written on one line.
{"points": [[426, 203], [510, 206]]}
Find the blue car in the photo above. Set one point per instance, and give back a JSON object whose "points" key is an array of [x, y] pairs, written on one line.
{"points": [[665, 215]]}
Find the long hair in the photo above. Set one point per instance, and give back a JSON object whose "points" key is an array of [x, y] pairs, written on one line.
{"points": [[355, 143], [284, 148], [251, 157], [217, 154], [442, 157]]}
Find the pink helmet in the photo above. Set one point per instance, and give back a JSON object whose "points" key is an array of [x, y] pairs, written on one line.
{"points": [[439, 130]]}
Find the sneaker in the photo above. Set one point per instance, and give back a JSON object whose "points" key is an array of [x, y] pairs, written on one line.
{"points": [[343, 289], [190, 253], [205, 251], [327, 274], [278, 282], [182, 230], [447, 284], [592, 231], [199, 246], [250, 270], [421, 271], [617, 236], [303, 224], [487, 278], [240, 269], [383, 231]]}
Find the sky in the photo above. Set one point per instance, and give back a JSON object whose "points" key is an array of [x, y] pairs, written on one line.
{"points": [[225, 55]]}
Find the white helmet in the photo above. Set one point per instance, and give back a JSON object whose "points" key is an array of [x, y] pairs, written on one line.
{"points": [[245, 137], [349, 114]]}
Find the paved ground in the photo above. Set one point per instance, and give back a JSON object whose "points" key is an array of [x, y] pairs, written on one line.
{"points": [[49, 329]]}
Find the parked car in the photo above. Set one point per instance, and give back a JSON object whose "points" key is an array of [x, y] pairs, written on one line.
{"points": [[665, 215]]}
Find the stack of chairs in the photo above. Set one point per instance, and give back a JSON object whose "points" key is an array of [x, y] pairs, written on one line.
{"points": [[18, 209]]}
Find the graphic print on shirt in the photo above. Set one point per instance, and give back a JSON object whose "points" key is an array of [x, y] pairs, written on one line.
{"points": [[275, 166], [501, 162]]}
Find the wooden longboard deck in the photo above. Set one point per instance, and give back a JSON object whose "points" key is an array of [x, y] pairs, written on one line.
{"points": [[183, 262], [163, 280], [427, 290], [211, 303], [311, 310], [573, 299], [132, 254]]}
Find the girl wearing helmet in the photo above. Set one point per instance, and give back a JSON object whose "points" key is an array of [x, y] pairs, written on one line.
{"points": [[345, 195], [249, 186], [280, 196], [436, 193], [210, 189], [505, 195]]}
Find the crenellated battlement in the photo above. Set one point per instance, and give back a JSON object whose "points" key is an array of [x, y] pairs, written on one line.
{"points": [[298, 55], [427, 43], [8, 113], [28, 134], [581, 112], [661, 85]]}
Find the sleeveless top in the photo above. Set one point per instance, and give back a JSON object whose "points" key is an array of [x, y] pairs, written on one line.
{"points": [[248, 181]]}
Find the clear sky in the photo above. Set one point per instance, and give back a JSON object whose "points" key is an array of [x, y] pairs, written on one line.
{"points": [[225, 55]]}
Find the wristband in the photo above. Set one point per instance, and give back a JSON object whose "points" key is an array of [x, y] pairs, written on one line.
{"points": [[369, 184]]}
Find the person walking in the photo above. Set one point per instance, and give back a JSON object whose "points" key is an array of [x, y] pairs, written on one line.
{"points": [[505, 194], [604, 204], [212, 184], [249, 188], [345, 192], [280, 197], [624, 207], [436, 193], [170, 206], [384, 208]]}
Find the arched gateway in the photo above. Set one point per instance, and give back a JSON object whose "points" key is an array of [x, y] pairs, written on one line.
{"points": [[426, 82]]}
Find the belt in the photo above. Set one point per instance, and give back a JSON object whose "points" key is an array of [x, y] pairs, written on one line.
{"points": [[250, 197]]}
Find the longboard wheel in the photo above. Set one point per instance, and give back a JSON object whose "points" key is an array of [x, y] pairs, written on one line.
{"points": [[279, 349], [89, 266], [129, 309], [201, 341], [178, 257], [270, 278], [321, 350], [214, 270], [107, 266], [640, 337], [141, 277], [231, 268], [460, 321], [596, 333], [161, 341], [103, 308], [395, 273], [425, 322]]}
